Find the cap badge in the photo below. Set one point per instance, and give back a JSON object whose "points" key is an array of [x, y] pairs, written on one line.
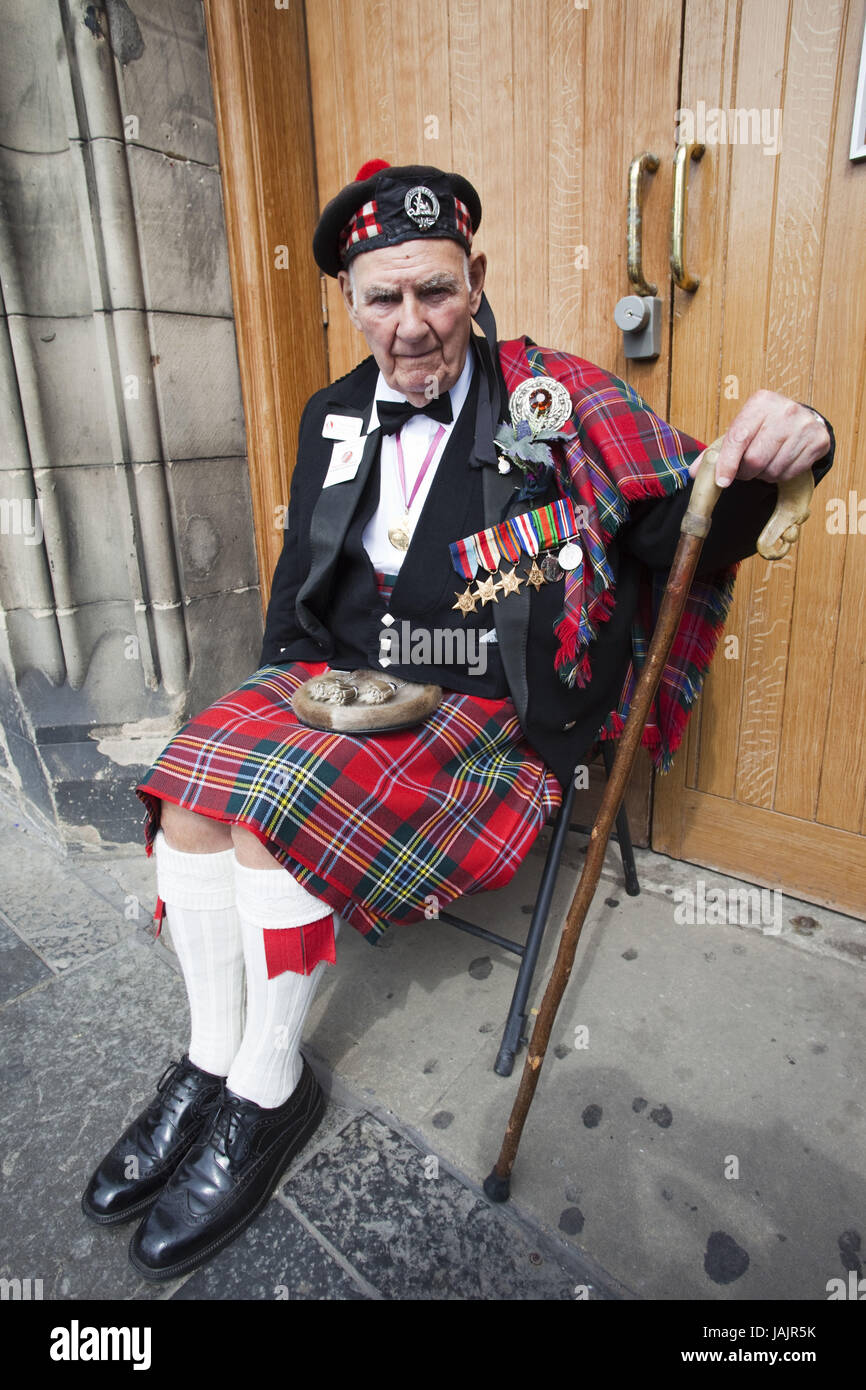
{"points": [[422, 205]]}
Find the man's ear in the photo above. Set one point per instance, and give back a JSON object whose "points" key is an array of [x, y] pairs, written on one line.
{"points": [[477, 276], [346, 287]]}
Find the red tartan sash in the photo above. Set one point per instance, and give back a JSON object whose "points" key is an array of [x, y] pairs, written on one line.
{"points": [[618, 451]]}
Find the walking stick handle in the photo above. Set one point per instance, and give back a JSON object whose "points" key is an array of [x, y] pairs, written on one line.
{"points": [[783, 528]]}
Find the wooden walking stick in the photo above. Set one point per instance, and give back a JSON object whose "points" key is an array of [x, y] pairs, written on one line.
{"points": [[792, 508]]}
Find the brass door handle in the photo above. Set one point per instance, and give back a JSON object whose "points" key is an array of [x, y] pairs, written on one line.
{"points": [[649, 163], [679, 212]]}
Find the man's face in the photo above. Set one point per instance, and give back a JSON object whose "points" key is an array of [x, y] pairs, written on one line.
{"points": [[414, 308]]}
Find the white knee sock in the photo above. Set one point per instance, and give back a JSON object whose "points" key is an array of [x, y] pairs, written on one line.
{"points": [[267, 1067], [199, 894]]}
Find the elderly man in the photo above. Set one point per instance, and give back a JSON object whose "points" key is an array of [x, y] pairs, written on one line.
{"points": [[516, 499]]}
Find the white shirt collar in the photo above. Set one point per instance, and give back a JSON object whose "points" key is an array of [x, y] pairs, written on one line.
{"points": [[458, 393]]}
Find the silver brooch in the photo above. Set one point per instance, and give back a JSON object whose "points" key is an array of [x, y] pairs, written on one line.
{"points": [[542, 402], [422, 205]]}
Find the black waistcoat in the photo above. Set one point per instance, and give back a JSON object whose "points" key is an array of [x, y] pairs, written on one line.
{"points": [[428, 640]]}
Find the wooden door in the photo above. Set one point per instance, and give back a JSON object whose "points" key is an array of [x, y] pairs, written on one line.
{"points": [[771, 783], [542, 105]]}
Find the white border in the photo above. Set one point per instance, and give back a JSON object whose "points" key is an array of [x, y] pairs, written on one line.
{"points": [[858, 130]]}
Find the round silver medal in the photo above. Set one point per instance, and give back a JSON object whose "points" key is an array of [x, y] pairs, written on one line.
{"points": [[550, 568], [570, 556]]}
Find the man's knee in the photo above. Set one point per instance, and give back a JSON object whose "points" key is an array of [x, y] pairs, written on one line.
{"points": [[192, 833], [250, 851]]}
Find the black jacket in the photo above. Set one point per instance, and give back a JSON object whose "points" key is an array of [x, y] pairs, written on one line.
{"points": [[324, 603]]}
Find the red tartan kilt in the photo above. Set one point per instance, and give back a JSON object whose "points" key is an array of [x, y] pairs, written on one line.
{"points": [[384, 829]]}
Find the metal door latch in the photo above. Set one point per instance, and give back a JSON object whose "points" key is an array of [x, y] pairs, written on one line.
{"points": [[640, 318]]}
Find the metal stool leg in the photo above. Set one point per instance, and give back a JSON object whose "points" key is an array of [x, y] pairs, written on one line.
{"points": [[516, 1021], [632, 887]]}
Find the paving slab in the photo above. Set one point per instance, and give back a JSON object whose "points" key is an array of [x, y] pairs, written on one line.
{"points": [[58, 915], [415, 1231], [20, 967]]}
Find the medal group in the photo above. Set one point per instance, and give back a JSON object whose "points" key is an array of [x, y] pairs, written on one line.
{"points": [[540, 532]]}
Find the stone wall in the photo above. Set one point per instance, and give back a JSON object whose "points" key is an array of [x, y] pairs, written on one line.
{"points": [[129, 592]]}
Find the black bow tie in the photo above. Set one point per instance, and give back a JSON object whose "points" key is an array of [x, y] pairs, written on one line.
{"points": [[394, 414]]}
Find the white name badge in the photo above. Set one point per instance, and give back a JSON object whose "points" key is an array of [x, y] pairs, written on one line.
{"points": [[345, 461], [341, 427]]}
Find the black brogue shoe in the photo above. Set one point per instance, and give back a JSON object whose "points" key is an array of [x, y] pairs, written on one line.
{"points": [[134, 1171], [225, 1180]]}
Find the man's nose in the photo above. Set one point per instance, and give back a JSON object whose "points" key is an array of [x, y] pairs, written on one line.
{"points": [[412, 323]]}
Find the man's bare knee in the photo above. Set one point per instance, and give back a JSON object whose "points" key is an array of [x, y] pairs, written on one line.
{"points": [[191, 833], [250, 851]]}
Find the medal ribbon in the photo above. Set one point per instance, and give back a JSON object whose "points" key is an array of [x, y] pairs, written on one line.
{"points": [[526, 536], [545, 526], [509, 542], [464, 557], [567, 522], [486, 542]]}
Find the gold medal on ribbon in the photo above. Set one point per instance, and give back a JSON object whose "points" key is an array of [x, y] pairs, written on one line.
{"points": [[398, 534]]}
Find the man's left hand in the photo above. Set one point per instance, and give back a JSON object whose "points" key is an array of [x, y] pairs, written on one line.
{"points": [[771, 438]]}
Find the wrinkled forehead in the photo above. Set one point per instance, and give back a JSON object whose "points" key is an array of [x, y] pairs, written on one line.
{"points": [[411, 264]]}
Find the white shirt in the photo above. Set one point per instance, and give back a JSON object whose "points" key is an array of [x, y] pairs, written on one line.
{"points": [[416, 437]]}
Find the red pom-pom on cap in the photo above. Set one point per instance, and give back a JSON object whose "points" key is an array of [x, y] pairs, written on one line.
{"points": [[372, 167]]}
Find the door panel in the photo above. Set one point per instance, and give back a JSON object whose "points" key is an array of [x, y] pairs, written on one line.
{"points": [[527, 101], [261, 92], [774, 767]]}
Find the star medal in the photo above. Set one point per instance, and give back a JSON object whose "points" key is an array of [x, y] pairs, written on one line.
{"points": [[535, 577], [467, 602], [511, 582], [486, 590]]}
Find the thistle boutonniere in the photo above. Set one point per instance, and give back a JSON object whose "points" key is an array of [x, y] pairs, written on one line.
{"points": [[529, 451], [539, 408]]}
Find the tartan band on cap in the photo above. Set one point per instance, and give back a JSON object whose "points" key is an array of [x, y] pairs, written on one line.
{"points": [[362, 226], [365, 225], [464, 222]]}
